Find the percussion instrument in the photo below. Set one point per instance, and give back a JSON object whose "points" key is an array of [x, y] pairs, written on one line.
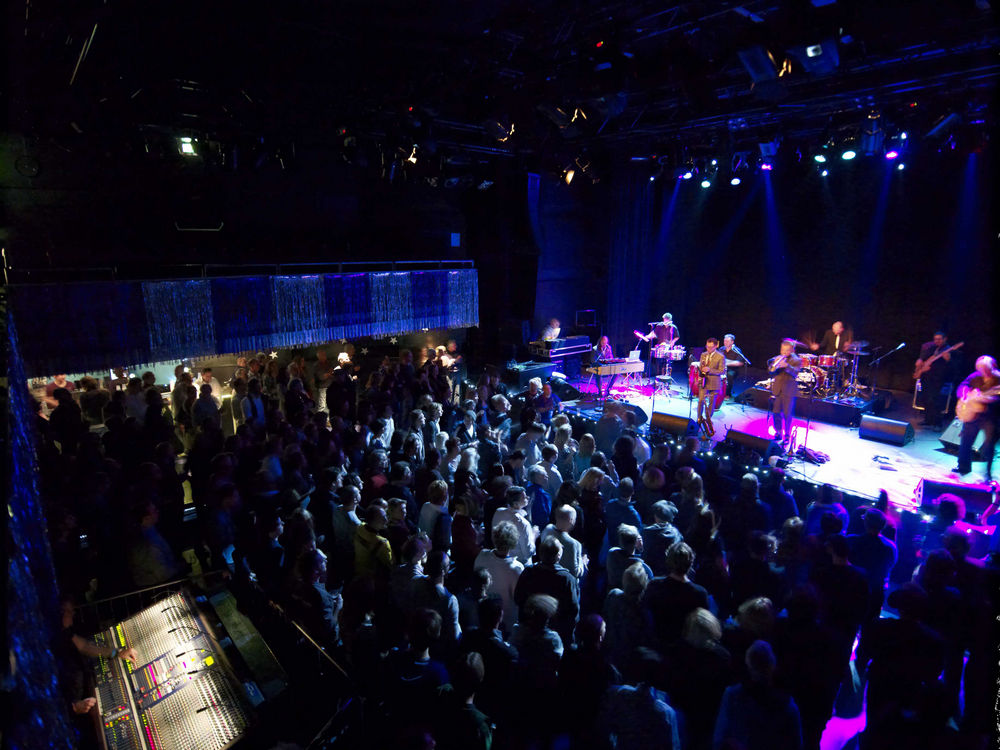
{"points": [[825, 360], [810, 379], [677, 353], [694, 382], [808, 360], [660, 351]]}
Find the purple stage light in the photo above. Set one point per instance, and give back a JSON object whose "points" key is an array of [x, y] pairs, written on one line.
{"points": [[891, 154], [767, 167]]}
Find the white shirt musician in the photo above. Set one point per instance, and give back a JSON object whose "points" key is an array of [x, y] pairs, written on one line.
{"points": [[551, 331], [664, 332], [735, 360]]}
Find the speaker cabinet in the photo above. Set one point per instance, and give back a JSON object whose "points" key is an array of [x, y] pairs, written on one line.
{"points": [[564, 390], [680, 426], [977, 497], [952, 436], [762, 445], [885, 430]]}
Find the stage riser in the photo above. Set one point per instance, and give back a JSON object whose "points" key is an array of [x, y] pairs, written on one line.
{"points": [[821, 410]]}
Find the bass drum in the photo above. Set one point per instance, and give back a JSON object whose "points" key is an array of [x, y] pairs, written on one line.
{"points": [[694, 383], [810, 379]]}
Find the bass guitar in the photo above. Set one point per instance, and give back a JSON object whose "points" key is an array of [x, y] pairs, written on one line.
{"points": [[926, 364], [974, 403]]}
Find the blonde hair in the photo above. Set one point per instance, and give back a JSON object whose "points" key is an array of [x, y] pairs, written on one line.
{"points": [[591, 479]]}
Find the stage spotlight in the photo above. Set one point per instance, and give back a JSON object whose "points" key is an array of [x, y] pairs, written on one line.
{"points": [[902, 136], [848, 155], [567, 175], [824, 173], [706, 184], [187, 146], [715, 162], [735, 181], [819, 159], [687, 175], [652, 178], [891, 154], [901, 166], [767, 166]]}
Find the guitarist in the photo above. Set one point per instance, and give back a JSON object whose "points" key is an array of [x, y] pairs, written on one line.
{"points": [[932, 381], [985, 378]]}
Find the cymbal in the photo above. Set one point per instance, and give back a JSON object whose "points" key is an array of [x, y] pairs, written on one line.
{"points": [[857, 345], [795, 342], [857, 352]]}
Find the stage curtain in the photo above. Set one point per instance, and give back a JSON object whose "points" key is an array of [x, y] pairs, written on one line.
{"points": [[348, 299], [392, 303], [463, 299], [38, 715]]}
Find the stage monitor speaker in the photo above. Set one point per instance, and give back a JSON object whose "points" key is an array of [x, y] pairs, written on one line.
{"points": [[952, 436], [977, 497], [762, 445], [680, 426], [564, 390], [885, 430]]}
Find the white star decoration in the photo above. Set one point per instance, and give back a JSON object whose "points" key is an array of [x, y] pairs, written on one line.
{"points": [[364, 350], [274, 355], [393, 340]]}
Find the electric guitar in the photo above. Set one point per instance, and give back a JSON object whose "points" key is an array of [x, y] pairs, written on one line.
{"points": [[926, 364], [974, 403]]}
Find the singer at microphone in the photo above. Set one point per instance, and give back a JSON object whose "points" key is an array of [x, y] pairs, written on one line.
{"points": [[736, 362]]}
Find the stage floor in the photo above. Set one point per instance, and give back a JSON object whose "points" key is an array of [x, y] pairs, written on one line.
{"points": [[859, 466]]}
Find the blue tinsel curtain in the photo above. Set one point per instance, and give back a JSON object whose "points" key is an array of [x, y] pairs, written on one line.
{"points": [[244, 314], [80, 327], [430, 290], [180, 319], [299, 310], [392, 303], [348, 304], [463, 299], [38, 712]]}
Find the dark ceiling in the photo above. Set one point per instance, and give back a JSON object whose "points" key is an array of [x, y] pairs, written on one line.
{"points": [[640, 76]]}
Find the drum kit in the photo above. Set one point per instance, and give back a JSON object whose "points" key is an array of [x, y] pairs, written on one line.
{"points": [[823, 374]]}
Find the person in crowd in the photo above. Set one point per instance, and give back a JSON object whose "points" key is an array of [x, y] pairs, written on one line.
{"points": [[669, 599], [434, 519], [585, 674], [539, 499], [499, 657], [93, 399], [875, 555], [318, 608], [514, 513], [460, 724], [205, 408], [627, 553], [629, 623], [58, 381], [636, 715], [755, 714], [572, 558], [428, 592], [504, 569], [659, 536], [547, 576], [372, 552]]}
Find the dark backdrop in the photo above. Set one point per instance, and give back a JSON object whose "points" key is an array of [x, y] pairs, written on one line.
{"points": [[895, 254]]}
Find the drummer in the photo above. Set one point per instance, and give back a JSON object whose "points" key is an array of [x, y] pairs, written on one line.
{"points": [[662, 338], [835, 341]]}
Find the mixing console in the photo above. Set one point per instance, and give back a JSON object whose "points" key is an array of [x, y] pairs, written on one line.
{"points": [[181, 693]]}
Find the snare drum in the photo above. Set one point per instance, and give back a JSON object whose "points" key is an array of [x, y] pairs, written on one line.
{"points": [[827, 360], [808, 360], [661, 351], [677, 353], [810, 379]]}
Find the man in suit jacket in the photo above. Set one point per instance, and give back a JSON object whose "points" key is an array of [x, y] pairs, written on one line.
{"points": [[784, 369], [712, 367]]}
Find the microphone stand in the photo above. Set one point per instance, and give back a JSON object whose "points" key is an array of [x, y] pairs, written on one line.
{"points": [[875, 364]]}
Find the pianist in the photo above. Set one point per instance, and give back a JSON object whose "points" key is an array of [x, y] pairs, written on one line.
{"points": [[603, 353], [551, 331]]}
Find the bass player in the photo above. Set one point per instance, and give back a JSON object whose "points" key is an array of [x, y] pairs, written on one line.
{"points": [[979, 408], [933, 369]]}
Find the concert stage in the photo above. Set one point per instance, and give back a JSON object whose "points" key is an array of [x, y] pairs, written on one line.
{"points": [[856, 465]]}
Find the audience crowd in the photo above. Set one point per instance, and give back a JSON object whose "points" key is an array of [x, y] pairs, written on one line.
{"points": [[489, 576]]}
